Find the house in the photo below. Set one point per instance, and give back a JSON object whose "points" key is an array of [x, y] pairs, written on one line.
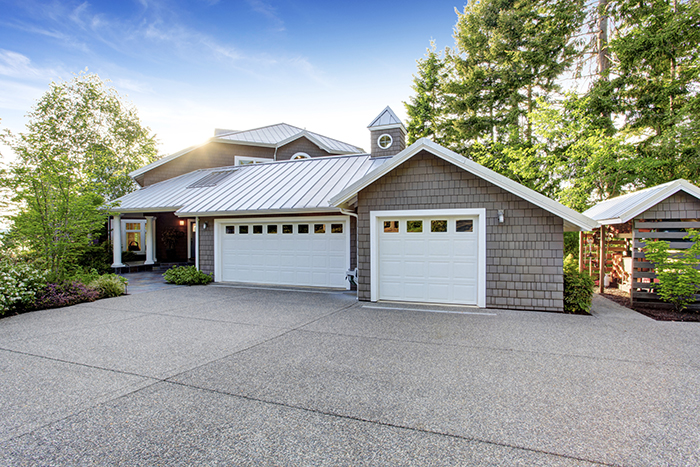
{"points": [[662, 212], [416, 224]]}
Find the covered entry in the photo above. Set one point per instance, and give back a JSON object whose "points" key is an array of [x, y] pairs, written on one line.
{"points": [[311, 251], [435, 256]]}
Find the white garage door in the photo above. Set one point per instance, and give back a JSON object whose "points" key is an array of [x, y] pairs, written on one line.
{"points": [[309, 252], [429, 259]]}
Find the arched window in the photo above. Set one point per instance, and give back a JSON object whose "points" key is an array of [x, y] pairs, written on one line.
{"points": [[300, 155]]}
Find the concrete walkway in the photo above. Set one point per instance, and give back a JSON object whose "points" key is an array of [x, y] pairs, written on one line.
{"points": [[245, 376]]}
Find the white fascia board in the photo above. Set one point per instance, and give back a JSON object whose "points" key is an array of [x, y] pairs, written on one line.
{"points": [[259, 212], [672, 189], [117, 210], [159, 162], [390, 126], [569, 215]]}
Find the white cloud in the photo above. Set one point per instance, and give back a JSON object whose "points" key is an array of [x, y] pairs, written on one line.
{"points": [[16, 65], [268, 11]]}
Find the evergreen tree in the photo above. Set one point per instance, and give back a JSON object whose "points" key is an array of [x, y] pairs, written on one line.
{"points": [[508, 53], [426, 106]]}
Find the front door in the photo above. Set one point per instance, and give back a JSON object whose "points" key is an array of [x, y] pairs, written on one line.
{"points": [[191, 240]]}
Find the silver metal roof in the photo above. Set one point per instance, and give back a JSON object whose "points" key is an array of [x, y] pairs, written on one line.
{"points": [[386, 119], [623, 208], [269, 136], [281, 134], [303, 185]]}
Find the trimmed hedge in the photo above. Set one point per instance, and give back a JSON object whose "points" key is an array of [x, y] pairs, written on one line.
{"points": [[187, 275]]}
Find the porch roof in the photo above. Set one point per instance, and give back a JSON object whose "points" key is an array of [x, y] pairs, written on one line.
{"points": [[621, 209]]}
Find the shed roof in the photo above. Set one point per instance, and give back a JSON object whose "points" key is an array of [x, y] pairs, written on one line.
{"points": [[572, 219], [303, 185], [269, 136], [623, 208]]}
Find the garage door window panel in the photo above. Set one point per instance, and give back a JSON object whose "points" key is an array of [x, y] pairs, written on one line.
{"points": [[319, 228], [257, 229], [243, 229], [287, 228], [465, 225], [438, 226], [414, 226], [303, 228], [391, 226]]}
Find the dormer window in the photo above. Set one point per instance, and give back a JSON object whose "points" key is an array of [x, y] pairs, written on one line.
{"points": [[300, 155], [385, 141]]}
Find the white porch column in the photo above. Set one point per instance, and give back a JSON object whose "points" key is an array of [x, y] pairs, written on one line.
{"points": [[117, 241], [196, 243], [150, 240]]}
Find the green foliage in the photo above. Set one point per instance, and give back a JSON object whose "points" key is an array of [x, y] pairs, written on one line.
{"points": [[19, 283], [187, 275], [507, 54], [571, 247], [81, 142], [108, 285], [426, 107], [578, 288], [677, 272]]}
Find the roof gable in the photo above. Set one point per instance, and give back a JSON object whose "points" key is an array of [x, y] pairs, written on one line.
{"points": [[386, 119], [272, 136], [572, 219], [623, 208]]}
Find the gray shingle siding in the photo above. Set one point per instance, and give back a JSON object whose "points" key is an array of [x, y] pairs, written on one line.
{"points": [[523, 255], [398, 136], [206, 245], [679, 206]]}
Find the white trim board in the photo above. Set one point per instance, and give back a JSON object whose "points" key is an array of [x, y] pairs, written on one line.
{"points": [[374, 217]]}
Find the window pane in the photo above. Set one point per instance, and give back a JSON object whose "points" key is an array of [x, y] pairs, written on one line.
{"points": [[414, 226], [465, 225], [230, 229], [257, 229], [272, 229], [303, 228], [336, 228], [319, 228], [243, 229], [287, 229], [133, 241], [438, 226], [391, 226], [133, 226]]}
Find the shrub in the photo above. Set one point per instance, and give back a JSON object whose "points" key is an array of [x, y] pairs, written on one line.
{"points": [[578, 288], [186, 275], [108, 285], [679, 279], [65, 293], [19, 283]]}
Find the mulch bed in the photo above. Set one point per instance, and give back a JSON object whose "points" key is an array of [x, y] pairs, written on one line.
{"points": [[660, 314]]}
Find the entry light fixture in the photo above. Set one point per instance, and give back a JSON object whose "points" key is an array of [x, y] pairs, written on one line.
{"points": [[182, 222], [205, 225], [501, 216]]}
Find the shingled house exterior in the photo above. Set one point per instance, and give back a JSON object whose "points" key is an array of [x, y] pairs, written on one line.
{"points": [[415, 224]]}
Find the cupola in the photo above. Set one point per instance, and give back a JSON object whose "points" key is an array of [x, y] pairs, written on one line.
{"points": [[387, 133]]}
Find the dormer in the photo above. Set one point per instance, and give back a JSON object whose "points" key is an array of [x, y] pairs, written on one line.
{"points": [[387, 133]]}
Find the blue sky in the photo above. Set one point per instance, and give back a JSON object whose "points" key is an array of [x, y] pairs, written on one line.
{"points": [[190, 67]]}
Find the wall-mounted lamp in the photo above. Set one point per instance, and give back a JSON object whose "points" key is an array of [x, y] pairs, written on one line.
{"points": [[501, 216], [205, 225], [182, 222]]}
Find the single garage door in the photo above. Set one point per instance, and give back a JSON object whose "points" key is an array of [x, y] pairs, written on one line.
{"points": [[429, 259], [302, 252]]}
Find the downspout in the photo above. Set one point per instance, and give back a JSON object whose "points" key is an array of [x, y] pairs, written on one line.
{"points": [[357, 238], [196, 243], [274, 156]]}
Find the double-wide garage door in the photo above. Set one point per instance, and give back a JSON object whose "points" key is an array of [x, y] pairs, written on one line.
{"points": [[308, 252], [432, 258]]}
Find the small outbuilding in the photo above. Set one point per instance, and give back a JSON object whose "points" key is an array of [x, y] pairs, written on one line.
{"points": [[664, 212]]}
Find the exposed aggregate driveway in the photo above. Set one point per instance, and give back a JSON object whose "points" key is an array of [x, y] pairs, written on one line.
{"points": [[250, 376]]}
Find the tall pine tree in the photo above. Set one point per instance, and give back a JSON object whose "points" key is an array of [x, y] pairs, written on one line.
{"points": [[425, 108]]}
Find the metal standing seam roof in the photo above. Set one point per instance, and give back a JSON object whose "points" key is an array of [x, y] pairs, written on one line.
{"points": [[285, 186], [386, 119], [623, 208], [269, 136]]}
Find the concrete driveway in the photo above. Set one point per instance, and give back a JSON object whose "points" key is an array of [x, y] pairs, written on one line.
{"points": [[244, 376]]}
